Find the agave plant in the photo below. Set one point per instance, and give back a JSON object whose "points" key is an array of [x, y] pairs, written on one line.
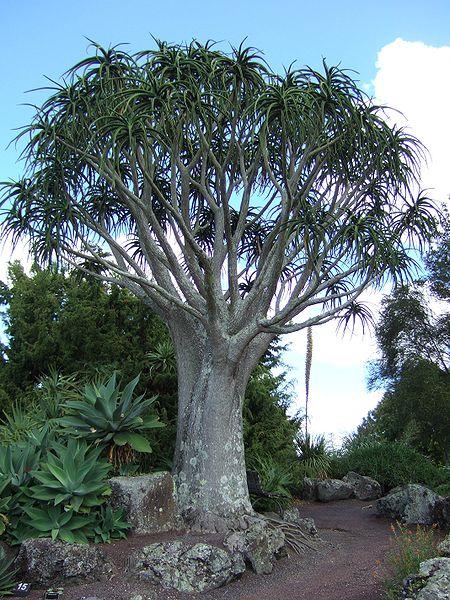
{"points": [[6, 574], [111, 416], [73, 474], [16, 463], [110, 525], [57, 523]]}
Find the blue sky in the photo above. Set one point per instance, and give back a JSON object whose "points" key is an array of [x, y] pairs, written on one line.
{"points": [[398, 47]]}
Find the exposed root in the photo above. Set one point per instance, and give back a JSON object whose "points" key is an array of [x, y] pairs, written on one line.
{"points": [[298, 539]]}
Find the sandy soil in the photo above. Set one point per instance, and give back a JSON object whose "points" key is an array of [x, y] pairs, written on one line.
{"points": [[348, 565]]}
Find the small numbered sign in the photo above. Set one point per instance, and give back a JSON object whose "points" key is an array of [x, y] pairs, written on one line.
{"points": [[22, 589]]}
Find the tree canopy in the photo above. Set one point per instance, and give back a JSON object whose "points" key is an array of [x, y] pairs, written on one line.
{"points": [[185, 161]]}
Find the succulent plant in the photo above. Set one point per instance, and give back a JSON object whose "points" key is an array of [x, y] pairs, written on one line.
{"points": [[57, 523], [73, 474], [17, 461], [112, 416], [110, 524]]}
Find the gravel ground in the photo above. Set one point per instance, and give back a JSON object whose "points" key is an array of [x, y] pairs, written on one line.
{"points": [[348, 565]]}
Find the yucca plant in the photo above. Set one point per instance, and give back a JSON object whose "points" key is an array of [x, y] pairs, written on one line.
{"points": [[111, 416], [162, 359], [110, 524], [315, 460], [73, 475], [18, 422], [6, 574], [57, 523], [53, 390], [275, 479]]}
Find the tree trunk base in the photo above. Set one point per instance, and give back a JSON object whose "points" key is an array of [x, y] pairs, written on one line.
{"points": [[200, 521]]}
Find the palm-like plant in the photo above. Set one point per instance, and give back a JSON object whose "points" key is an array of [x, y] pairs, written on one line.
{"points": [[111, 416], [73, 474]]}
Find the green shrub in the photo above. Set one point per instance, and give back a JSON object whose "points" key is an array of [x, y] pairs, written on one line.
{"points": [[410, 548], [391, 464]]}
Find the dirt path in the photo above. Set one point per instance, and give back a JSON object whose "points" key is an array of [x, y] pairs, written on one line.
{"points": [[345, 568]]}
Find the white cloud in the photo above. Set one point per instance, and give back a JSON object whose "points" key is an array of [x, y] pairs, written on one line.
{"points": [[10, 254], [415, 79]]}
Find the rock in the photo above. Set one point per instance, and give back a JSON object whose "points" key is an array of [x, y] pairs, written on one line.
{"points": [[44, 561], [308, 489], [333, 489], [414, 504], [259, 545], [431, 583], [365, 488], [293, 515], [149, 502], [444, 546], [185, 566]]}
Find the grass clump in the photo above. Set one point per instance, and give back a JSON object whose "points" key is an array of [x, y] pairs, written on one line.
{"points": [[410, 548]]}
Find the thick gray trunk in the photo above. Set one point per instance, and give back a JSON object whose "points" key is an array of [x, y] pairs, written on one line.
{"points": [[209, 465]]}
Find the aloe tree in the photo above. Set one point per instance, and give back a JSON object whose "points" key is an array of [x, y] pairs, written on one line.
{"points": [[237, 203]]}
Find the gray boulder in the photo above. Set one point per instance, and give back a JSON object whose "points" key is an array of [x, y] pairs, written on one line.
{"points": [[444, 546], [44, 561], [365, 488], [259, 545], [293, 515], [431, 583], [149, 502], [184, 566], [308, 489], [414, 504], [333, 489]]}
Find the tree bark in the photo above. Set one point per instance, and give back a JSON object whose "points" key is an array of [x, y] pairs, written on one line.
{"points": [[209, 463]]}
